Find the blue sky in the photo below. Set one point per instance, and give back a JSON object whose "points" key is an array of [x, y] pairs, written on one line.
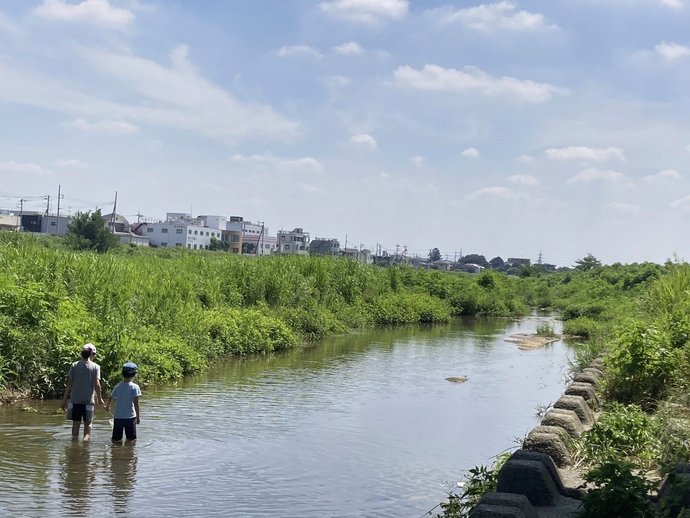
{"points": [[502, 128]]}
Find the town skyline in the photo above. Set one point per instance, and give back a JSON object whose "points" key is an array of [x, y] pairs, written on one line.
{"points": [[479, 126]]}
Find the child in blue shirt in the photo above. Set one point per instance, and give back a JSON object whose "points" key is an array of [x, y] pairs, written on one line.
{"points": [[126, 395]]}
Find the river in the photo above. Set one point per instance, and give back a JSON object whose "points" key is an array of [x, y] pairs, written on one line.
{"points": [[362, 425]]}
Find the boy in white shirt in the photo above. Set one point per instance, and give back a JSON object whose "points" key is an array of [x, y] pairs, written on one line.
{"points": [[126, 395]]}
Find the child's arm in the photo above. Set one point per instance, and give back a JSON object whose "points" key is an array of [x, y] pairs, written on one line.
{"points": [[136, 407], [107, 405], [68, 389]]}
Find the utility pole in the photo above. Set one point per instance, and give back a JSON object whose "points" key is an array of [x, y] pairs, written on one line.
{"points": [[112, 216], [57, 222], [21, 214], [345, 243]]}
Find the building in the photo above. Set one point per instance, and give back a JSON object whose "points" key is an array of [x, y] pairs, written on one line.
{"points": [[514, 261], [324, 246], [122, 229], [53, 225], [179, 229], [255, 239], [234, 240], [292, 242], [8, 220], [362, 255]]}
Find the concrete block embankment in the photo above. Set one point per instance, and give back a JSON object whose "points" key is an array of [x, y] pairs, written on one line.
{"points": [[531, 483]]}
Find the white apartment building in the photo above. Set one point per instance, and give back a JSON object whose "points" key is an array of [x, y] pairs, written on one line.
{"points": [[181, 230], [294, 242]]}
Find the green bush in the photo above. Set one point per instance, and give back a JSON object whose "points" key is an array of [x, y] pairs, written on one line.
{"points": [[616, 492], [622, 431]]}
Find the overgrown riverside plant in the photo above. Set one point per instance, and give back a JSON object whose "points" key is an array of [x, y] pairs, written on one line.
{"points": [[173, 311], [617, 492], [478, 481]]}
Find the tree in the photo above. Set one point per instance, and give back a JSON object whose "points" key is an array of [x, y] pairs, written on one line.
{"points": [[218, 245], [87, 231], [587, 263], [434, 255]]}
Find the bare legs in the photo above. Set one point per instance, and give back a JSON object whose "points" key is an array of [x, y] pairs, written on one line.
{"points": [[87, 430]]}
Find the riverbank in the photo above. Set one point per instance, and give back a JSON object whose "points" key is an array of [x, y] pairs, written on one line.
{"points": [[641, 435], [175, 312]]}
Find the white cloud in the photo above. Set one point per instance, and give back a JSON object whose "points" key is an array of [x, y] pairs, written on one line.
{"points": [[350, 48], [105, 126], [470, 153], [417, 160], [525, 159], [298, 50], [364, 140], [672, 51], [523, 179], [682, 204], [675, 4], [502, 193], [31, 169], [593, 174], [99, 12], [623, 208], [501, 15], [471, 79], [71, 162], [281, 165], [585, 153], [366, 11], [665, 176]]}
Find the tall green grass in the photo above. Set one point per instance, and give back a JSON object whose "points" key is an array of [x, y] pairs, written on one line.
{"points": [[174, 311]]}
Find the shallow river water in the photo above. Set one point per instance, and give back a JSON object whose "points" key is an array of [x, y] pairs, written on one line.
{"points": [[359, 426]]}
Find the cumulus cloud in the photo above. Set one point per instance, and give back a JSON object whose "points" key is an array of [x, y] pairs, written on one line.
{"points": [[349, 49], [417, 160], [675, 4], [523, 179], [623, 208], [672, 51], [525, 159], [594, 174], [585, 153], [98, 12], [470, 153], [30, 169], [501, 15], [71, 162], [366, 11], [471, 79], [104, 126], [298, 50], [665, 176], [501, 193], [682, 204], [364, 140], [281, 165]]}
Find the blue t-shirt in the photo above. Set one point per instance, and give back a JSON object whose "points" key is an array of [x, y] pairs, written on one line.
{"points": [[124, 393]]}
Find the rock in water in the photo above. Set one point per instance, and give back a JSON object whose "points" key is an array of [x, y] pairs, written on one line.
{"points": [[462, 379]]}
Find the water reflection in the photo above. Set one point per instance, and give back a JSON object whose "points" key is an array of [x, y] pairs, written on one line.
{"points": [[360, 425], [123, 476], [77, 478]]}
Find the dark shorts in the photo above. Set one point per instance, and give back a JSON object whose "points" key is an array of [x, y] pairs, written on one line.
{"points": [[128, 425], [77, 412]]}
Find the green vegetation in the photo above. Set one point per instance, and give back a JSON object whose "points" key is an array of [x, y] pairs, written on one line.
{"points": [[174, 311], [545, 329], [86, 231]]}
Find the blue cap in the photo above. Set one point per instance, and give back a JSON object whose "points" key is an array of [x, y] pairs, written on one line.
{"points": [[130, 366]]}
